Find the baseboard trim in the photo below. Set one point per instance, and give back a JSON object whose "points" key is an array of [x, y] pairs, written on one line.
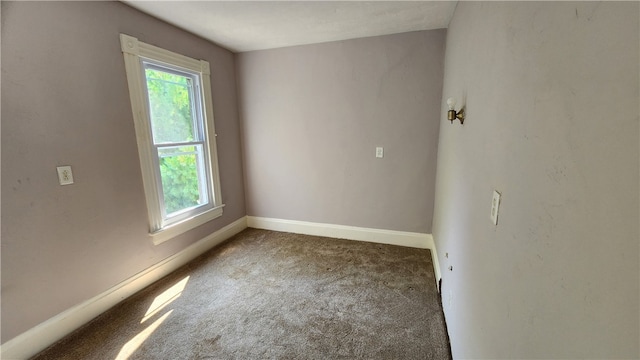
{"points": [[45, 334], [392, 237]]}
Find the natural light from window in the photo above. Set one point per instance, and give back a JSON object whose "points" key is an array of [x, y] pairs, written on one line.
{"points": [[164, 299], [172, 109], [178, 137], [132, 345], [159, 303]]}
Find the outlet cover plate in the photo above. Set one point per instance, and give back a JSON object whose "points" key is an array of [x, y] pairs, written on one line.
{"points": [[65, 176]]}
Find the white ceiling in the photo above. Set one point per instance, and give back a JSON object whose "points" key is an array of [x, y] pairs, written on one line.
{"points": [[256, 25]]}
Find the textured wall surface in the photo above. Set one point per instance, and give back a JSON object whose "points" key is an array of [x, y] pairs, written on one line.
{"points": [[313, 115], [65, 101], [552, 122]]}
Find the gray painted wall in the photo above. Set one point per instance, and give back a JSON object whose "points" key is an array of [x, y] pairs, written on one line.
{"points": [[313, 115], [552, 121], [65, 101]]}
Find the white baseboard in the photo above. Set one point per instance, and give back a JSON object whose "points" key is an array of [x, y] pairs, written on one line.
{"points": [[43, 335], [392, 237]]}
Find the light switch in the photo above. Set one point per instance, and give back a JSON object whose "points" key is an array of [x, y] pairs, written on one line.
{"points": [[495, 206], [65, 175], [379, 152]]}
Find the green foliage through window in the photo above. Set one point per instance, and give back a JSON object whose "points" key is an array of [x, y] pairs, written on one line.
{"points": [[170, 106], [179, 182]]}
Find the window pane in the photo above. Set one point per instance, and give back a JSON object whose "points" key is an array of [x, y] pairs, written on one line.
{"points": [[170, 100], [182, 183]]}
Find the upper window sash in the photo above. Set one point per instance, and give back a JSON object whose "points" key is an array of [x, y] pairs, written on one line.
{"points": [[195, 97]]}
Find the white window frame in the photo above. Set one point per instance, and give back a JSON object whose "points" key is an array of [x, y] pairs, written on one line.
{"points": [[135, 52]]}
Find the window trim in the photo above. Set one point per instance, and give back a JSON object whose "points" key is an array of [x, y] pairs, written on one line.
{"points": [[134, 51]]}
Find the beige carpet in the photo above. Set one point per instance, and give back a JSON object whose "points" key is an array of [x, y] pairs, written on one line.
{"points": [[271, 295]]}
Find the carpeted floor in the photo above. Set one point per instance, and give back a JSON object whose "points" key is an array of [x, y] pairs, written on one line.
{"points": [[271, 295]]}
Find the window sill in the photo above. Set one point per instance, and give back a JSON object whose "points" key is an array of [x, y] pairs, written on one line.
{"points": [[183, 226]]}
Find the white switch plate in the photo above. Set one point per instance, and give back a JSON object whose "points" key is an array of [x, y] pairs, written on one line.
{"points": [[379, 152], [495, 207], [65, 175]]}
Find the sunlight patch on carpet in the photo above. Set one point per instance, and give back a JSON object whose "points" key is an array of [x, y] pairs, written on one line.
{"points": [[164, 299], [132, 345]]}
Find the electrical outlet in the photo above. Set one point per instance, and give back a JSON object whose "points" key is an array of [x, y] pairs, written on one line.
{"points": [[65, 176], [379, 152], [495, 207]]}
